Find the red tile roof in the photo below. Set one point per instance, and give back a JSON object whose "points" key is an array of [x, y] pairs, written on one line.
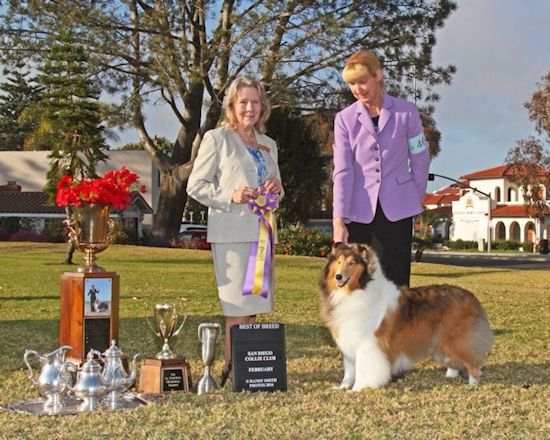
{"points": [[500, 171], [513, 211], [442, 197]]}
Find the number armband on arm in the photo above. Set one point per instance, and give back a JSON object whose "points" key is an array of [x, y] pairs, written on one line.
{"points": [[417, 144]]}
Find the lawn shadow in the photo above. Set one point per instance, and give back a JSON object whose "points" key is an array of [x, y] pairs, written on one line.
{"points": [[28, 298], [517, 374], [458, 275], [166, 261], [135, 336]]}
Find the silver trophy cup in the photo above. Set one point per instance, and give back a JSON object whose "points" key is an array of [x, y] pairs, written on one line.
{"points": [[166, 319], [209, 334]]}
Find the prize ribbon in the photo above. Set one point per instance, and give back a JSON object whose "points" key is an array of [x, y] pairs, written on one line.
{"points": [[258, 272]]}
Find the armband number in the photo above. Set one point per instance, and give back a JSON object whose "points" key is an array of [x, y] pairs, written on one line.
{"points": [[417, 144]]}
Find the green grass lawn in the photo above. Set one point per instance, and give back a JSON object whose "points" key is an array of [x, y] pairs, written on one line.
{"points": [[512, 401]]}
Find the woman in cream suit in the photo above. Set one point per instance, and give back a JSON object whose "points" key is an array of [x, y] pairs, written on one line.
{"points": [[232, 162]]}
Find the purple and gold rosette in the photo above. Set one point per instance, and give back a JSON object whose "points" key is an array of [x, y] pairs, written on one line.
{"points": [[258, 272]]}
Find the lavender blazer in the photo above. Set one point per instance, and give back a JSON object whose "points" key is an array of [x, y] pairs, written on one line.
{"points": [[389, 165]]}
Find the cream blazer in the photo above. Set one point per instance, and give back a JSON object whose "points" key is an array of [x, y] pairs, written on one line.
{"points": [[223, 164]]}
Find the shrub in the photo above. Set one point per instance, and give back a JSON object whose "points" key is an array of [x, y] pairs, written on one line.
{"points": [[511, 245], [56, 232], [191, 243], [4, 234], [461, 244], [122, 235], [305, 242], [26, 235]]}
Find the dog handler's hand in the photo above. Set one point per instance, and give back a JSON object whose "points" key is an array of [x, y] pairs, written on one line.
{"points": [[243, 194], [273, 186], [340, 231]]}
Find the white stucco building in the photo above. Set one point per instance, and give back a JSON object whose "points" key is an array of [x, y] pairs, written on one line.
{"points": [[471, 215]]}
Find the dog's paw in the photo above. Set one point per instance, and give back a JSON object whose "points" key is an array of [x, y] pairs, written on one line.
{"points": [[342, 386], [452, 373]]}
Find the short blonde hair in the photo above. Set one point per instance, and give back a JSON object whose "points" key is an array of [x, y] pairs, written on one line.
{"points": [[361, 65], [229, 118]]}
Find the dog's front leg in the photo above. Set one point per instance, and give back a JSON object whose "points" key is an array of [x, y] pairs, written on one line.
{"points": [[349, 374], [373, 370]]}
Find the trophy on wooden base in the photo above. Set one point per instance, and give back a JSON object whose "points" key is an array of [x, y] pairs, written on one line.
{"points": [[166, 372]]}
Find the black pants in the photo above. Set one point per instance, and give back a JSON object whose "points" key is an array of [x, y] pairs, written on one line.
{"points": [[392, 242]]}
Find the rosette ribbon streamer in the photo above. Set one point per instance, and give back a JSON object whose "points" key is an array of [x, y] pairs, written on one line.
{"points": [[258, 272]]}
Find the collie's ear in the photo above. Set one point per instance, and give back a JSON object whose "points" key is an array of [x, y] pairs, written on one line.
{"points": [[361, 249], [367, 255], [371, 258], [337, 246]]}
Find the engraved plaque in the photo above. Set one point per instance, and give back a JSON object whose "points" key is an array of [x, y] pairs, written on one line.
{"points": [[259, 357], [172, 380], [97, 334]]}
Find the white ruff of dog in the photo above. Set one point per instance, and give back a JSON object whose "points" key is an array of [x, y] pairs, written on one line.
{"points": [[383, 331]]}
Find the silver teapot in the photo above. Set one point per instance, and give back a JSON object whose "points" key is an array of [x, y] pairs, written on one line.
{"points": [[90, 385], [55, 377], [115, 376]]}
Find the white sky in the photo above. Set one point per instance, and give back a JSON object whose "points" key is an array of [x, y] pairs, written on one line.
{"points": [[501, 49]]}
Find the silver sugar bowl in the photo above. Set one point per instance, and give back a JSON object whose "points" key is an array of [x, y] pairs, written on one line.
{"points": [[90, 385]]}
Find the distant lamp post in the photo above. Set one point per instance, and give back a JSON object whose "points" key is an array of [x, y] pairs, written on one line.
{"points": [[432, 176]]}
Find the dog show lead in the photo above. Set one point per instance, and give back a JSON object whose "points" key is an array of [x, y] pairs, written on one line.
{"points": [[237, 164], [381, 163]]}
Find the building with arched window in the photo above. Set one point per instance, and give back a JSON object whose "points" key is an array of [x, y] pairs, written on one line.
{"points": [[468, 214]]}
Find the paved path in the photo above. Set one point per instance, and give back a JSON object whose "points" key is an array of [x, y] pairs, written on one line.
{"points": [[510, 261]]}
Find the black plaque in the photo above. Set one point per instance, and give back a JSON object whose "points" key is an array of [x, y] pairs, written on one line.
{"points": [[172, 379], [96, 334], [259, 357]]}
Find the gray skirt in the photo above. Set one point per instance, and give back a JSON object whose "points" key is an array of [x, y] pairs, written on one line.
{"points": [[230, 264]]}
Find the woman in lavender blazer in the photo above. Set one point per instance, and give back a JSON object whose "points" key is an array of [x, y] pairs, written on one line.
{"points": [[381, 163]]}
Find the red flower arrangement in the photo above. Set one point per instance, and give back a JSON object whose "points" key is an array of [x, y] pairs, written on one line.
{"points": [[114, 188]]}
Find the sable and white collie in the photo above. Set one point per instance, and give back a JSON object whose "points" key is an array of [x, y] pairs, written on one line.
{"points": [[383, 330]]}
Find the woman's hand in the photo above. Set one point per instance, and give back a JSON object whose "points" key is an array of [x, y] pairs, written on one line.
{"points": [[340, 231], [273, 186], [244, 194]]}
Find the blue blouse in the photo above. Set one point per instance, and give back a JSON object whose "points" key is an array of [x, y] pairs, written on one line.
{"points": [[261, 166]]}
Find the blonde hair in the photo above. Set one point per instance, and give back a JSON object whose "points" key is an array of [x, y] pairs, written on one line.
{"points": [[361, 65], [229, 118]]}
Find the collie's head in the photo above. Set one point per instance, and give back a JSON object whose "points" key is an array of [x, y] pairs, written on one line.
{"points": [[348, 268]]}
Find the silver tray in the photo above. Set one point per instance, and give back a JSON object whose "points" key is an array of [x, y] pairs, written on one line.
{"points": [[70, 405]]}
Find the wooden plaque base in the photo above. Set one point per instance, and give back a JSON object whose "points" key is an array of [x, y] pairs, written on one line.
{"points": [[160, 376], [84, 325]]}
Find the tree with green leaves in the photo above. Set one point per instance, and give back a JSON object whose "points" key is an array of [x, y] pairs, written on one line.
{"points": [[530, 170], [529, 160], [67, 117], [539, 107], [302, 165], [17, 92], [187, 52]]}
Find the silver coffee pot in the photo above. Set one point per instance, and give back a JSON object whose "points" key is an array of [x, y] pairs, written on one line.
{"points": [[90, 385], [115, 376], [55, 376]]}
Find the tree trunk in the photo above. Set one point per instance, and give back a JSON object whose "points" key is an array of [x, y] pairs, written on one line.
{"points": [[172, 200]]}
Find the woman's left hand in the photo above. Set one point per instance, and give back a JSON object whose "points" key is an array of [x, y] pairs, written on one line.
{"points": [[273, 186]]}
